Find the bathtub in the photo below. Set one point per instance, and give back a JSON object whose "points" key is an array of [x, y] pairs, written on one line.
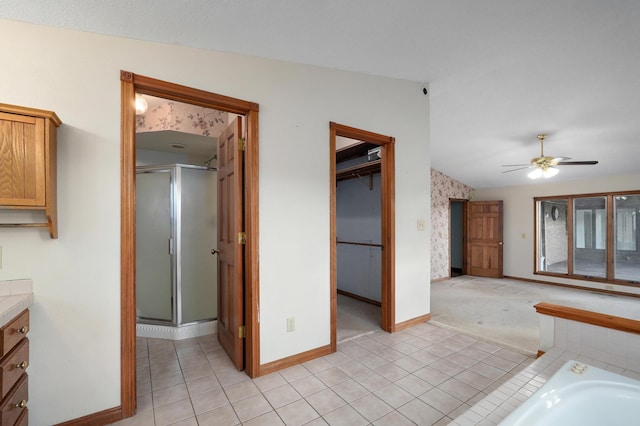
{"points": [[579, 394]]}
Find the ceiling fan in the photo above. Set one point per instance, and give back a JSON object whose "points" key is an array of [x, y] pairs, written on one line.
{"points": [[545, 166]]}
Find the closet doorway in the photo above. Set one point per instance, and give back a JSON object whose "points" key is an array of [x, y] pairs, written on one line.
{"points": [[363, 237]]}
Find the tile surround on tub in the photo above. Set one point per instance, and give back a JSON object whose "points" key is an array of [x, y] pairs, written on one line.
{"points": [[507, 397], [562, 340]]}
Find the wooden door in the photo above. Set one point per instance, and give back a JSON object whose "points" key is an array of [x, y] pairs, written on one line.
{"points": [[484, 242], [230, 244]]}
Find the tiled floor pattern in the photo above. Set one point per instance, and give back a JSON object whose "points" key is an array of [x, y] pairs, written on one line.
{"points": [[425, 375]]}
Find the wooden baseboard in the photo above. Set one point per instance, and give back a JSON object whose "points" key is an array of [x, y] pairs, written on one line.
{"points": [[437, 280], [539, 354], [292, 360], [358, 297], [100, 418], [412, 322]]}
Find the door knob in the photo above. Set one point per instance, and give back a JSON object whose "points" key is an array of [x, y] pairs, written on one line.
{"points": [[214, 251]]}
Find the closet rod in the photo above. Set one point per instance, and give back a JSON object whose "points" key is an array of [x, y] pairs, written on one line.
{"points": [[24, 225], [359, 244]]}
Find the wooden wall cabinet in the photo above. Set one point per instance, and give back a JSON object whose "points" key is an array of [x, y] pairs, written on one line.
{"points": [[28, 156]]}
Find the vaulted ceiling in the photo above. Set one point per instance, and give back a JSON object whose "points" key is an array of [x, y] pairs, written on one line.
{"points": [[499, 72]]}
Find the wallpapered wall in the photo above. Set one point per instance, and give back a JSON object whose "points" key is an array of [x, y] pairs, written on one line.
{"points": [[182, 118], [443, 188]]}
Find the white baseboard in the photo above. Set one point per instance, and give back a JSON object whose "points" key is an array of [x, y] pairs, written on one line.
{"points": [[176, 333]]}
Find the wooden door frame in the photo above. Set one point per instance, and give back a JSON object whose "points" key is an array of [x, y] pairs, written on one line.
{"points": [[130, 85], [464, 202], [387, 144]]}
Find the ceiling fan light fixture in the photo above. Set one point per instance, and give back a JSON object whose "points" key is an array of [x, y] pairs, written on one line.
{"points": [[545, 166], [544, 173], [535, 174]]}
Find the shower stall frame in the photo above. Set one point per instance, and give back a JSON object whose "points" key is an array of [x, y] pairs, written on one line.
{"points": [[174, 247]]}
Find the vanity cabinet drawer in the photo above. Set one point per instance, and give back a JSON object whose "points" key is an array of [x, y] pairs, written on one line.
{"points": [[13, 332], [13, 366], [15, 403]]}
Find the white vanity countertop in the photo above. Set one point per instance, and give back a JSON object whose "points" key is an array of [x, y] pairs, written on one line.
{"points": [[15, 297]]}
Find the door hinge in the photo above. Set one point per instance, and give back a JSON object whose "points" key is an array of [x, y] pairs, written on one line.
{"points": [[241, 332], [242, 238], [242, 144]]}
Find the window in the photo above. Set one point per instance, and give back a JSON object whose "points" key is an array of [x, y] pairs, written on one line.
{"points": [[553, 236], [572, 237], [626, 257], [590, 242]]}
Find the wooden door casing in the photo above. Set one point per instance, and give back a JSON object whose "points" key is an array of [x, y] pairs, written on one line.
{"points": [[131, 84], [484, 239], [230, 256]]}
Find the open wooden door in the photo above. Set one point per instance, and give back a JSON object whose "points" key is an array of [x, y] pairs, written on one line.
{"points": [[231, 243], [484, 242]]}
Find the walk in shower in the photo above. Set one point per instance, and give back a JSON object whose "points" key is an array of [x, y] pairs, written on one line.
{"points": [[176, 230]]}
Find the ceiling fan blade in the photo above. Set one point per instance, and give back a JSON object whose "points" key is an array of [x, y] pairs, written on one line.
{"points": [[577, 163], [519, 168]]}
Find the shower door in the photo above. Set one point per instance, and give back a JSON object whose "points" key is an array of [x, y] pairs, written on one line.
{"points": [[176, 228], [154, 245]]}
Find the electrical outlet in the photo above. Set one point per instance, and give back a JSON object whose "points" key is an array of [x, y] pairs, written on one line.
{"points": [[420, 224], [524, 235], [291, 324]]}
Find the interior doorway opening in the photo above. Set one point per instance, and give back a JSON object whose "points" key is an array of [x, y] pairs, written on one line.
{"points": [[242, 314], [457, 237], [376, 245], [358, 229], [176, 217]]}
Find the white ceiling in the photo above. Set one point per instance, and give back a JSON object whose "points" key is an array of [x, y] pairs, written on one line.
{"points": [[499, 71]]}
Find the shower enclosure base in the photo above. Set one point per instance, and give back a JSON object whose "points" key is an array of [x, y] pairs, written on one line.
{"points": [[176, 333]]}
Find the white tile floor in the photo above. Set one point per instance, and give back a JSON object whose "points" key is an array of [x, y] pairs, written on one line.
{"points": [[425, 375]]}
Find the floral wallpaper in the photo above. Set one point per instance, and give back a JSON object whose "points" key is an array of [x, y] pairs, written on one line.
{"points": [[443, 188], [182, 118]]}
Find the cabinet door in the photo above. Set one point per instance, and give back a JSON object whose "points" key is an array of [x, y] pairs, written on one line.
{"points": [[22, 161]]}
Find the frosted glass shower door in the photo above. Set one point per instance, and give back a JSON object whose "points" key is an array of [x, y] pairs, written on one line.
{"points": [[154, 272], [198, 235]]}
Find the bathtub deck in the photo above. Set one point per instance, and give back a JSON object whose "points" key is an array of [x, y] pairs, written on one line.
{"points": [[496, 406]]}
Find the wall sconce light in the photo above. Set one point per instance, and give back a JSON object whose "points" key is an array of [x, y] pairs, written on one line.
{"points": [[141, 105]]}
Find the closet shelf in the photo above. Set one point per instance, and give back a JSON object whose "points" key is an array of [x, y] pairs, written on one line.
{"points": [[359, 170]]}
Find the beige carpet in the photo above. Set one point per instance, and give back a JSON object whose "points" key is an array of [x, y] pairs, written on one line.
{"points": [[501, 310], [356, 318]]}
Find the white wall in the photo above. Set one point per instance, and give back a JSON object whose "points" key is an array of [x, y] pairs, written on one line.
{"points": [[519, 220], [75, 352]]}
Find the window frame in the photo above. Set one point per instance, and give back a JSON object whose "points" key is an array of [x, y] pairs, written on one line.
{"points": [[610, 243]]}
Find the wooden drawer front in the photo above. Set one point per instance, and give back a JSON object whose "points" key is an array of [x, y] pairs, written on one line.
{"points": [[15, 402], [13, 332], [13, 366]]}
